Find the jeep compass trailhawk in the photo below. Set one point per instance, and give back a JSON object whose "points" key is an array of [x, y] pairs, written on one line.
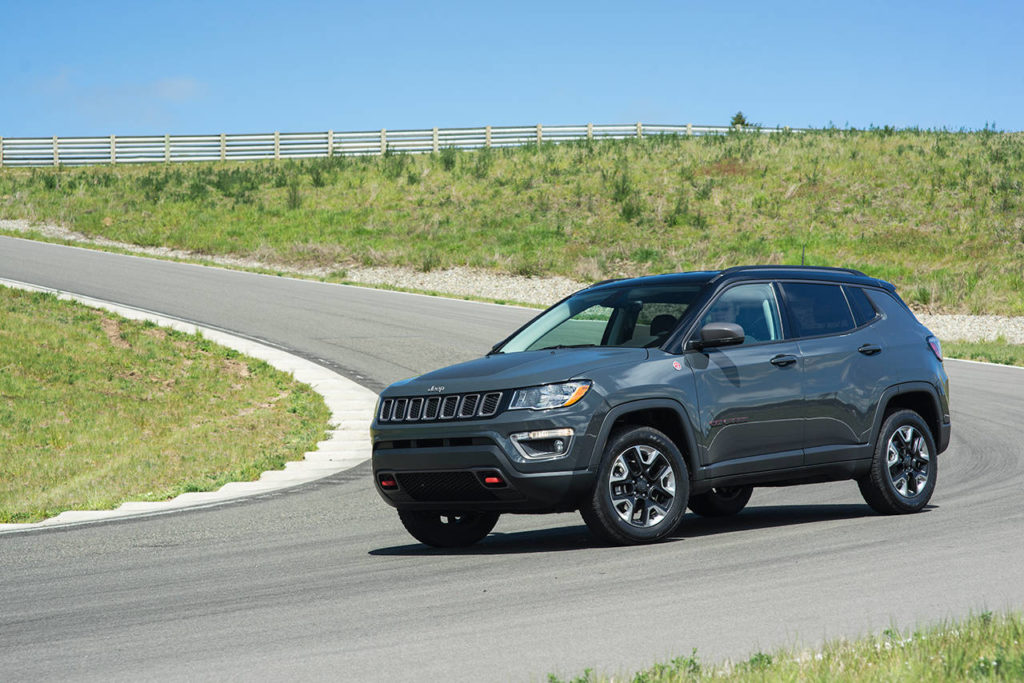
{"points": [[632, 400]]}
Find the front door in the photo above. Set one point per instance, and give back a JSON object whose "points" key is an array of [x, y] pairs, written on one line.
{"points": [[750, 395]]}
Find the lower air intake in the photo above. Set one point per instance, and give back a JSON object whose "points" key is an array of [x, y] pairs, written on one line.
{"points": [[443, 487]]}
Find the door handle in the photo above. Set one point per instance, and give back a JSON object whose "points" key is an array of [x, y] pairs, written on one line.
{"points": [[870, 349], [782, 360]]}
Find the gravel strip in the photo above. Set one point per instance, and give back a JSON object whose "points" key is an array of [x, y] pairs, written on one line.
{"points": [[474, 282], [974, 327]]}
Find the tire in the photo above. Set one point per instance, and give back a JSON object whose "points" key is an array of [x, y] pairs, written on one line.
{"points": [[641, 491], [448, 530], [904, 468], [721, 502]]}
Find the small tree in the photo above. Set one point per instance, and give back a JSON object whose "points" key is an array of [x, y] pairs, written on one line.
{"points": [[739, 119]]}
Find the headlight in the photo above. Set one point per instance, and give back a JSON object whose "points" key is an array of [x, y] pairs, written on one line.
{"points": [[549, 396]]}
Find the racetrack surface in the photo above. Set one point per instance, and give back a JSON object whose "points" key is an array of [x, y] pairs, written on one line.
{"points": [[321, 581]]}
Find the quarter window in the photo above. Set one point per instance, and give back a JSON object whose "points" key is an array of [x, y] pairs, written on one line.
{"points": [[863, 311], [817, 309], [752, 307]]}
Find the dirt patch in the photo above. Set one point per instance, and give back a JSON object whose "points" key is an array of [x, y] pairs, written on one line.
{"points": [[236, 367], [726, 167], [112, 329], [263, 406], [155, 333]]}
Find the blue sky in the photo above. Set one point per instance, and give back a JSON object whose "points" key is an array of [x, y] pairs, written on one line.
{"points": [[74, 68]]}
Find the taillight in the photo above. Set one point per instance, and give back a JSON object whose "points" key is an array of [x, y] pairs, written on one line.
{"points": [[936, 347]]}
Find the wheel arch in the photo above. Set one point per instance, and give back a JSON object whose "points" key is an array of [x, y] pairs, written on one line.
{"points": [[665, 415], [920, 397]]}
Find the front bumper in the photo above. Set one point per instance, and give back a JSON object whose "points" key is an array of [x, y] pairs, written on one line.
{"points": [[443, 465]]}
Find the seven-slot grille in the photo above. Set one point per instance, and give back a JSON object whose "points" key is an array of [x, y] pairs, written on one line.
{"points": [[429, 408]]}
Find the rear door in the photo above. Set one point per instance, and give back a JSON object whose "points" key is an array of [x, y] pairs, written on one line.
{"points": [[750, 395], [844, 367]]}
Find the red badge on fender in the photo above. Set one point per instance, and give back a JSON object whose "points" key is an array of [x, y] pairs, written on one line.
{"points": [[677, 365]]}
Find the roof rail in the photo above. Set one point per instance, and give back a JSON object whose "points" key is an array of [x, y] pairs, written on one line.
{"points": [[830, 269], [604, 282]]}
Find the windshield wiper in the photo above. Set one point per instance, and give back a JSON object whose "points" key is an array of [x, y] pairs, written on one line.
{"points": [[565, 346]]}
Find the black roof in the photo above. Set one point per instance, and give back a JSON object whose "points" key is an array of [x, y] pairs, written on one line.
{"points": [[847, 275]]}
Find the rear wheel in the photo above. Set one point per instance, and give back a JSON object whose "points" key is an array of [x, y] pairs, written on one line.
{"points": [[721, 502], [641, 489], [448, 530], [903, 471]]}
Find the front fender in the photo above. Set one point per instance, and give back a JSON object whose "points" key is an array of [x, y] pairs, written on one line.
{"points": [[608, 420]]}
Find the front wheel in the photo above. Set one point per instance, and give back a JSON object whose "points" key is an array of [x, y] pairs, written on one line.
{"points": [[721, 502], [903, 471], [641, 489], [448, 530]]}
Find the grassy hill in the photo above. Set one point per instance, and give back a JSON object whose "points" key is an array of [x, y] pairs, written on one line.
{"points": [[941, 214], [96, 410]]}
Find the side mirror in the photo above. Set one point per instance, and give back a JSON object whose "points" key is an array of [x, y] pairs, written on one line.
{"points": [[714, 335]]}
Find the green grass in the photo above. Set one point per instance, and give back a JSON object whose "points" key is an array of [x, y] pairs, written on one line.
{"points": [[96, 410], [941, 214], [983, 647], [998, 351]]}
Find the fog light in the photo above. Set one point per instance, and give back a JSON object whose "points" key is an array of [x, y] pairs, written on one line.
{"points": [[545, 444], [387, 482]]}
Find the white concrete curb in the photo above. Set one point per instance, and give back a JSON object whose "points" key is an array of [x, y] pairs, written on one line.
{"points": [[348, 445]]}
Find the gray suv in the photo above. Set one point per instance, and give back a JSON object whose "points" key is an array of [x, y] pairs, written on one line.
{"points": [[634, 399]]}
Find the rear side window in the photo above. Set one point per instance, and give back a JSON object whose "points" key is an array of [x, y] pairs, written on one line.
{"points": [[817, 309], [863, 311]]}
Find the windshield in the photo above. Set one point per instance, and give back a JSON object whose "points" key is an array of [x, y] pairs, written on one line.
{"points": [[639, 316]]}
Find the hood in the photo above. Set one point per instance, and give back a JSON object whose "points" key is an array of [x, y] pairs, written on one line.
{"points": [[513, 370]]}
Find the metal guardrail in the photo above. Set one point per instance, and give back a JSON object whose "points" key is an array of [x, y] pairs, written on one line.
{"points": [[136, 149]]}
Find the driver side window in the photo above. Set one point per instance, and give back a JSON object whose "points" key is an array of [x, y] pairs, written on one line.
{"points": [[752, 307]]}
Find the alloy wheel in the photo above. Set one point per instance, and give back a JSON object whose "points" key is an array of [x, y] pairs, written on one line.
{"points": [[907, 460], [642, 486]]}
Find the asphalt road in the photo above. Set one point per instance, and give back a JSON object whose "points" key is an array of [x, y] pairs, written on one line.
{"points": [[322, 582]]}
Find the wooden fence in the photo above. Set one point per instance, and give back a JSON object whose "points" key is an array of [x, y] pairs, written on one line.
{"points": [[135, 149]]}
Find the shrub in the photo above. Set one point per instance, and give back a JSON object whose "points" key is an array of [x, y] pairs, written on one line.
{"points": [[449, 158], [294, 195]]}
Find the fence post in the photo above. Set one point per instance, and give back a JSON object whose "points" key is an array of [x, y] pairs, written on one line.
{"points": [[330, 143], [435, 139], [540, 134], [639, 131], [223, 146], [487, 136], [167, 148], [56, 153], [113, 149], [277, 145], [383, 140], [590, 131], [689, 129]]}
